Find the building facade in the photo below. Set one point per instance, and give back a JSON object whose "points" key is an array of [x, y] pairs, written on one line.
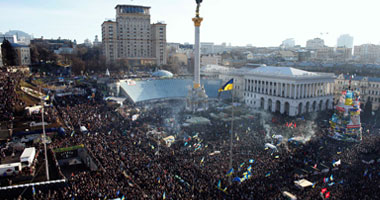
{"points": [[10, 38], [285, 90], [109, 40], [23, 54], [211, 59], [346, 41], [288, 43], [133, 38], [159, 43], [315, 43], [368, 87], [369, 53], [207, 48]]}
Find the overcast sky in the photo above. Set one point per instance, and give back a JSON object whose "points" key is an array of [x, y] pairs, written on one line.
{"points": [[239, 22]]}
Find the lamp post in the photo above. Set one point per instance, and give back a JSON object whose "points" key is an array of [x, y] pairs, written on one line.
{"points": [[44, 140]]}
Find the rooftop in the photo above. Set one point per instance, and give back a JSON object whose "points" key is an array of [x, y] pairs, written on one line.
{"points": [[283, 71], [265, 71], [130, 6], [153, 89], [15, 45]]}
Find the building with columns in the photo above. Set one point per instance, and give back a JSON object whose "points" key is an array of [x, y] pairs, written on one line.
{"points": [[282, 89]]}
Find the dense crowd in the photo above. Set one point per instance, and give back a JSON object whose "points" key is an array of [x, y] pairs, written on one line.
{"points": [[9, 99], [135, 165]]}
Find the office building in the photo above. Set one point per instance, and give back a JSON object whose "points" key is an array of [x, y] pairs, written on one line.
{"points": [[346, 41]]}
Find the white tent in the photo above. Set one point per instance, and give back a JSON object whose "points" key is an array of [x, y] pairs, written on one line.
{"points": [[289, 195], [83, 129], [33, 109], [303, 183], [271, 146]]}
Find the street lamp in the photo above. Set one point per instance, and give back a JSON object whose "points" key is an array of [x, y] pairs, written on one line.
{"points": [[44, 140]]}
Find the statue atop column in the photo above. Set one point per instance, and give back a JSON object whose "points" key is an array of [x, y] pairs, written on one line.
{"points": [[198, 6]]}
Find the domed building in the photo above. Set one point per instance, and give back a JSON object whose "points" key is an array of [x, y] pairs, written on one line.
{"points": [[162, 74]]}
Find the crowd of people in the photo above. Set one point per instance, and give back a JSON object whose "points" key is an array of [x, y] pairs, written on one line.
{"points": [[137, 166], [9, 100], [134, 164]]}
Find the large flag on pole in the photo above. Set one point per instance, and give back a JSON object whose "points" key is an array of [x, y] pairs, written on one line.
{"points": [[228, 86]]}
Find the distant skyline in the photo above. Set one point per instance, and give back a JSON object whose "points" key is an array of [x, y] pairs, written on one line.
{"points": [[239, 22]]}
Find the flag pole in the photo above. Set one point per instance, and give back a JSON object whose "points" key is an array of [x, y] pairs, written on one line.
{"points": [[232, 133]]}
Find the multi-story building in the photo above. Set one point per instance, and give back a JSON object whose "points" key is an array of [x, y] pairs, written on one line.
{"points": [[207, 48], [133, 38], [23, 54], [315, 44], [325, 53], [343, 54], [346, 41], [159, 43], [10, 38], [109, 40], [211, 59], [367, 53], [368, 87], [288, 43], [281, 89]]}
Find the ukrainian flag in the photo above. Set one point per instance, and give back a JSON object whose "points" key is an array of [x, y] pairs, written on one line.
{"points": [[229, 173], [228, 86]]}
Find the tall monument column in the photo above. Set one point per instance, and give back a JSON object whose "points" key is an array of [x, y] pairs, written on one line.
{"points": [[197, 99], [197, 51]]}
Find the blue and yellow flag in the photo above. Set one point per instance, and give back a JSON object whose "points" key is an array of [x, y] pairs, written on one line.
{"points": [[249, 168], [228, 86], [33, 191], [229, 173]]}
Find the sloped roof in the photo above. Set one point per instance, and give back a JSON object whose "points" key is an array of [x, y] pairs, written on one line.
{"points": [[282, 71], [145, 90]]}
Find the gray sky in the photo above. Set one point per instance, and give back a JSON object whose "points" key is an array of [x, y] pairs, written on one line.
{"points": [[240, 22]]}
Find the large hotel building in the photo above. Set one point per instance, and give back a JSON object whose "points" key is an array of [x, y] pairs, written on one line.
{"points": [[133, 38]]}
